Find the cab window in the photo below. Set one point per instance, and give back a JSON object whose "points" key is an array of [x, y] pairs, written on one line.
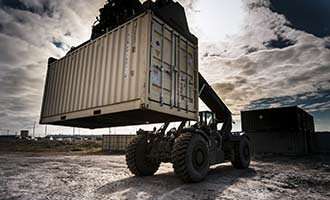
{"points": [[209, 118]]}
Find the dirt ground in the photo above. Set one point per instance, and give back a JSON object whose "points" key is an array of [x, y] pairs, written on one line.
{"points": [[35, 176]]}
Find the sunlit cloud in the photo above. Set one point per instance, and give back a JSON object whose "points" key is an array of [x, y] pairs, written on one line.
{"points": [[261, 60]]}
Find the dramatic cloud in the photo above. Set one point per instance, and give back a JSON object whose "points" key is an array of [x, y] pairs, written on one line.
{"points": [[279, 57], [309, 16], [270, 59], [30, 32]]}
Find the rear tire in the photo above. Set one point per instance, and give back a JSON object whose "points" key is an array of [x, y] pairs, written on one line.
{"points": [[136, 157], [190, 157], [241, 154]]}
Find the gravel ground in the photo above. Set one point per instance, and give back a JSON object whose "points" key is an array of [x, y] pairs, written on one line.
{"points": [[28, 176]]}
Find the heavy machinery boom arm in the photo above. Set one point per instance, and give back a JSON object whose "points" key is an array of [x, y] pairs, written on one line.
{"points": [[215, 104]]}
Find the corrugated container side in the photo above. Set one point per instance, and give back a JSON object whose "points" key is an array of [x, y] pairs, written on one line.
{"points": [[287, 118], [91, 76], [83, 80], [323, 143], [278, 142]]}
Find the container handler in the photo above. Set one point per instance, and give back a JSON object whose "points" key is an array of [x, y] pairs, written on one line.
{"points": [[191, 149]]}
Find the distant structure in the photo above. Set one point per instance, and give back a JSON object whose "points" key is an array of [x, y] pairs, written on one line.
{"points": [[6, 138], [74, 137], [286, 130], [24, 133]]}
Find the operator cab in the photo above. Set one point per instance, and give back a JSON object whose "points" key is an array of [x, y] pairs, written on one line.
{"points": [[207, 119]]}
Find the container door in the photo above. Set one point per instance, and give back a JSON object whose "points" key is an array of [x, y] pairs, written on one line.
{"points": [[173, 68]]}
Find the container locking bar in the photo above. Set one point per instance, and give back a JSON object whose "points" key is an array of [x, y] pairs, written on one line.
{"points": [[179, 72], [172, 68], [162, 70], [150, 56], [187, 77]]}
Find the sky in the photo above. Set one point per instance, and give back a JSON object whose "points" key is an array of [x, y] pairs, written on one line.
{"points": [[255, 53]]}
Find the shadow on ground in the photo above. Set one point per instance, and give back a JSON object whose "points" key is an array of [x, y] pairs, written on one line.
{"points": [[168, 186]]}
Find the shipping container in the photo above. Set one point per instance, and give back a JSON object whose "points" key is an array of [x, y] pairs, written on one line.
{"points": [[116, 143], [286, 130], [279, 142], [142, 72], [323, 142], [277, 119]]}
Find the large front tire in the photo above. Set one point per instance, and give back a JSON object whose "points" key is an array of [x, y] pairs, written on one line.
{"points": [[136, 157], [242, 157], [190, 157]]}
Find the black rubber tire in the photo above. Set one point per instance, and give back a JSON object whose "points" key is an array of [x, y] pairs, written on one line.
{"points": [[187, 147], [242, 154], [136, 159]]}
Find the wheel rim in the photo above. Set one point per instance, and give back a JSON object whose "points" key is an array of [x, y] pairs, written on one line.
{"points": [[199, 157]]}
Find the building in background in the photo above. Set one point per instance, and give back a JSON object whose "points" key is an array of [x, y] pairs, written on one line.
{"points": [[24, 133], [73, 137], [286, 130]]}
